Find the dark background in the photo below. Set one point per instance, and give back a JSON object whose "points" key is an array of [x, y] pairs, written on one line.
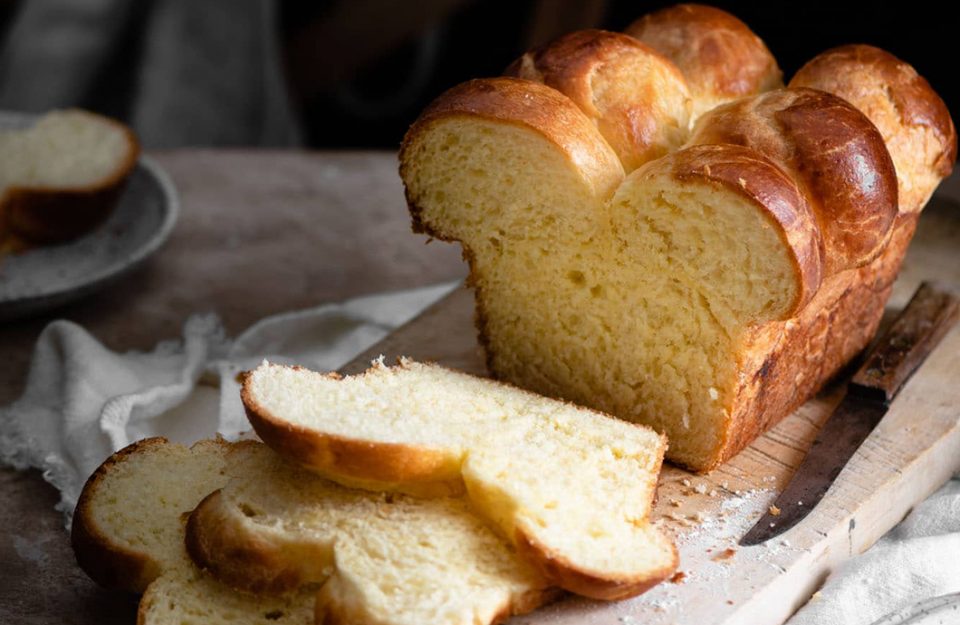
{"points": [[359, 71]]}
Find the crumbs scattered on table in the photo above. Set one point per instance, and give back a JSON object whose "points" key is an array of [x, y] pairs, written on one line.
{"points": [[726, 554]]}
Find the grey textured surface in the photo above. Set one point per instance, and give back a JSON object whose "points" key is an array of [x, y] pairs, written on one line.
{"points": [[259, 233]]}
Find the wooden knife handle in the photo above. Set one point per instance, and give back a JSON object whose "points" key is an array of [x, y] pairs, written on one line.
{"points": [[902, 349]]}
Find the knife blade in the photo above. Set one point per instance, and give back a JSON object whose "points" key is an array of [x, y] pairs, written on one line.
{"points": [[901, 350]]}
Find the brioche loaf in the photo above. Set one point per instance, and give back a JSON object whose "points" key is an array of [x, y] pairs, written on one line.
{"points": [[572, 488], [708, 292], [62, 176], [128, 533], [326, 553]]}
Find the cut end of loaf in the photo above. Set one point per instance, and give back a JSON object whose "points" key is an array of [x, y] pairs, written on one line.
{"points": [[633, 305]]}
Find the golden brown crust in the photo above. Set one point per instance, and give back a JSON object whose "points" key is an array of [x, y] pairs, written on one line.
{"points": [[45, 215], [561, 572], [638, 98], [837, 154], [107, 563], [355, 462], [785, 363], [900, 103], [521, 103], [251, 563], [720, 56], [832, 150], [749, 174]]}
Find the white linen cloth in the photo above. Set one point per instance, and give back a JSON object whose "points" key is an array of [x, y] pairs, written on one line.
{"points": [[82, 402]]}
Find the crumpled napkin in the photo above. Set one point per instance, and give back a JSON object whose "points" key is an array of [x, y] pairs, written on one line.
{"points": [[917, 560], [82, 401]]}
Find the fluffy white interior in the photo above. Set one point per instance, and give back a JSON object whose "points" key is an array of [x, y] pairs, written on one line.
{"points": [[142, 505]]}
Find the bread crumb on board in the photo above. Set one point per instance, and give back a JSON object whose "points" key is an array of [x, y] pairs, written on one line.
{"points": [[775, 511]]}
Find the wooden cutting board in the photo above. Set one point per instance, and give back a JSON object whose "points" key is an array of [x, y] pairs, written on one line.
{"points": [[914, 450]]}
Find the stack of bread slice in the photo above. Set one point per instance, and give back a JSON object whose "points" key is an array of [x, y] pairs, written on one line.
{"points": [[409, 494]]}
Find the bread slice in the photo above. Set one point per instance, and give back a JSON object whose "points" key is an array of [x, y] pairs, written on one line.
{"points": [[571, 487], [128, 532], [381, 559], [343, 556], [62, 176]]}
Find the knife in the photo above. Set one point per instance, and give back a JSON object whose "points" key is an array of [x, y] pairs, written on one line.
{"points": [[888, 365]]}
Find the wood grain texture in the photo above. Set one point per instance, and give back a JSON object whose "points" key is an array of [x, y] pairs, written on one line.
{"points": [[927, 318]]}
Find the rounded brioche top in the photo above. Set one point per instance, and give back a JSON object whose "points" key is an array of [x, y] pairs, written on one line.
{"points": [[719, 55], [638, 99], [912, 118], [536, 106], [833, 151]]}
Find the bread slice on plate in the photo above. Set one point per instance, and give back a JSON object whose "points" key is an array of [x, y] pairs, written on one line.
{"points": [[325, 553], [572, 488], [62, 176], [128, 533], [378, 558]]}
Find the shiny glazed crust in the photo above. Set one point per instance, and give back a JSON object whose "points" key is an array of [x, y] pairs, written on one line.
{"points": [[912, 118], [535, 106], [832, 150], [720, 56], [588, 66], [754, 177]]}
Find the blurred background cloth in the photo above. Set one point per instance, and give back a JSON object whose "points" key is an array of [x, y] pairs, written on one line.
{"points": [[355, 73], [181, 72]]}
